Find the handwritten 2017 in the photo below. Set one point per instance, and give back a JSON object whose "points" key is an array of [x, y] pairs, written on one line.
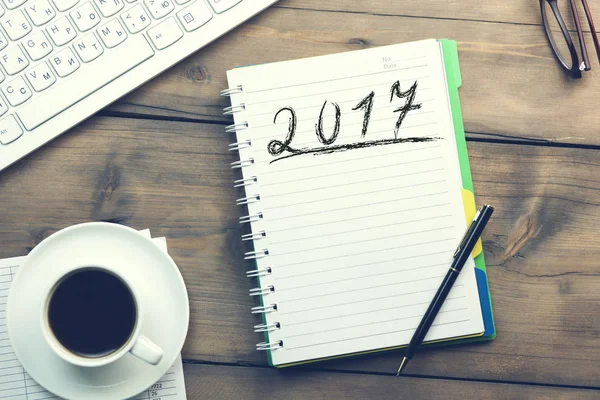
{"points": [[276, 147]]}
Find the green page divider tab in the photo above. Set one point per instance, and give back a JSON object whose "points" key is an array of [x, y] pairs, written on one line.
{"points": [[454, 81]]}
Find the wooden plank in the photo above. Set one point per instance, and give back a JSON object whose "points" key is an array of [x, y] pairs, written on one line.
{"points": [[542, 246], [220, 382], [509, 11], [512, 85]]}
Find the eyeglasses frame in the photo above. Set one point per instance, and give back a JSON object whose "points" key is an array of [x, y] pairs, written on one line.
{"points": [[576, 68]]}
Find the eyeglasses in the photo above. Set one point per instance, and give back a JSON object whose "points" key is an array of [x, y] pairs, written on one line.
{"points": [[563, 46]]}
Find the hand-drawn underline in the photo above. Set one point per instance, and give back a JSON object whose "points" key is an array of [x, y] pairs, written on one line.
{"points": [[352, 146]]}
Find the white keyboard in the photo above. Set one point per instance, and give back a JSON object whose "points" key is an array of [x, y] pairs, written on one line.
{"points": [[63, 60]]}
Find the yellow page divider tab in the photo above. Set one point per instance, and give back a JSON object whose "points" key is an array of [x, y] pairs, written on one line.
{"points": [[470, 210]]}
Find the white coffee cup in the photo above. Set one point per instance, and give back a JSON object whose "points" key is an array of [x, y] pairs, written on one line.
{"points": [[56, 309]]}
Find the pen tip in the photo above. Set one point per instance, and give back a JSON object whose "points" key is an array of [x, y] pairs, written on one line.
{"points": [[402, 365]]}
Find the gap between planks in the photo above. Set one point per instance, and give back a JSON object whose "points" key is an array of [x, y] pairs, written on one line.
{"points": [[480, 137], [392, 374], [585, 29]]}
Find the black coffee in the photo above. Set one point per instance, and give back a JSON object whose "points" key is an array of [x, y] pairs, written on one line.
{"points": [[92, 312]]}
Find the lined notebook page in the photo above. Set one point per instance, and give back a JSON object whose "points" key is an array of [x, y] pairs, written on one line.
{"points": [[360, 227], [15, 382]]}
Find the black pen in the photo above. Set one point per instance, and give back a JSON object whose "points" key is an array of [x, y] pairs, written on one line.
{"points": [[463, 251]]}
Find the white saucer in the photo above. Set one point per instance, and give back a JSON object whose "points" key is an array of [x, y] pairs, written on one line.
{"points": [[166, 308]]}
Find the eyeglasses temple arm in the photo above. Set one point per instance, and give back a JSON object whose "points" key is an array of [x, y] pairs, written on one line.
{"points": [[584, 54], [588, 14]]}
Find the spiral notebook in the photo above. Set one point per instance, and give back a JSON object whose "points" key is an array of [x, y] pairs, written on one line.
{"points": [[358, 190]]}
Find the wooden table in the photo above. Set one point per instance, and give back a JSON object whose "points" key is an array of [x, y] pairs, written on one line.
{"points": [[158, 159]]}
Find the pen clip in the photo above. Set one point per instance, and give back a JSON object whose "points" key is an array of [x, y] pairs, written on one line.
{"points": [[467, 233]]}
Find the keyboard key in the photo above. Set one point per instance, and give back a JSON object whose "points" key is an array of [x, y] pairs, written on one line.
{"points": [[3, 40], [194, 16], [86, 17], [112, 34], [110, 7], [9, 130], [61, 31], [113, 64], [37, 46], [16, 91], [16, 25], [13, 60], [12, 4], [40, 12], [136, 19], [3, 106], [165, 34], [40, 77], [88, 48], [64, 5], [64, 63], [180, 2], [159, 8], [223, 5]]}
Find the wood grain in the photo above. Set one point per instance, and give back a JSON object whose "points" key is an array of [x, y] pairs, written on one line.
{"points": [[508, 11], [220, 382], [542, 247], [512, 85]]}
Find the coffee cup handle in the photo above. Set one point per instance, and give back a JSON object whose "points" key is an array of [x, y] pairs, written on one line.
{"points": [[146, 350]]}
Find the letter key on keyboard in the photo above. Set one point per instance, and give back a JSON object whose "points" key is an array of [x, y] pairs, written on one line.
{"points": [[110, 7], [88, 48], [16, 91], [85, 17], [40, 77], [16, 25], [112, 34], [40, 12], [37, 46], [64, 62], [13, 60], [61, 31]]}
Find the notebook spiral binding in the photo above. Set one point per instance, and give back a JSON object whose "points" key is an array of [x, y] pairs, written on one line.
{"points": [[267, 327], [251, 199], [236, 127], [240, 145], [262, 292], [230, 91], [245, 182], [233, 109], [270, 346], [264, 309]]}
